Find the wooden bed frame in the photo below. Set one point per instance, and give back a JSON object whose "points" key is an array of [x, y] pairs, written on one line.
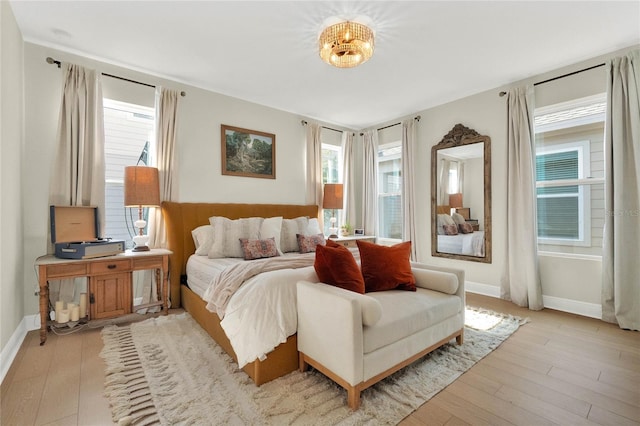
{"points": [[180, 220]]}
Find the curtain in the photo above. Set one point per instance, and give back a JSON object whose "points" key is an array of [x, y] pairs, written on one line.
{"points": [[348, 176], [621, 239], [370, 183], [408, 191], [314, 165], [521, 281], [78, 171], [166, 106], [443, 196]]}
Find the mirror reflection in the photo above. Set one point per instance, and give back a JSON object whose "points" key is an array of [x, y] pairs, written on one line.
{"points": [[461, 196]]}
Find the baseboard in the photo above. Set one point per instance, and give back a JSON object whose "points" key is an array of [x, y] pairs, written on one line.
{"points": [[483, 289], [10, 350], [591, 310]]}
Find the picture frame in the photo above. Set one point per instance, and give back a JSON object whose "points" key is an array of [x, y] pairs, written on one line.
{"points": [[248, 153]]}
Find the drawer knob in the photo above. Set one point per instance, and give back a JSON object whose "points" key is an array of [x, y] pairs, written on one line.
{"points": [[111, 266]]}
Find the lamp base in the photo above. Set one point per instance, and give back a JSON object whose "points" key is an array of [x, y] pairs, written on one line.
{"points": [[141, 248]]}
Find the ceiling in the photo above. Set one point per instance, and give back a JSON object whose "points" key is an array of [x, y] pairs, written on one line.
{"points": [[426, 53]]}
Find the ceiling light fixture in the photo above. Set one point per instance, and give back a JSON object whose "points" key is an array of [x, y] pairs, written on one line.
{"points": [[346, 44]]}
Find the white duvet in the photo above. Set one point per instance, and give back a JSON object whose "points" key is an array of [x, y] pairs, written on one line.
{"points": [[262, 313]]}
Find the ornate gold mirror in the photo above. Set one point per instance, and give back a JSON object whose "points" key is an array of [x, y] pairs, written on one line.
{"points": [[461, 196]]}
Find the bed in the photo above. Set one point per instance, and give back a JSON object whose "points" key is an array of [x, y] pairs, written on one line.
{"points": [[181, 219], [460, 242]]}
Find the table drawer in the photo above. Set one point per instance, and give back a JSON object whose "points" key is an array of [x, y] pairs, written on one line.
{"points": [[147, 263], [110, 266], [76, 269]]}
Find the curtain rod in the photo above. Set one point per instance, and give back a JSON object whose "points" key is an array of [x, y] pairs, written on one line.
{"points": [[304, 123], [563, 76], [52, 61], [417, 118]]}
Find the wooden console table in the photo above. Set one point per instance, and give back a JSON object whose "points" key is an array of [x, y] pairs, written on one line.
{"points": [[100, 272]]}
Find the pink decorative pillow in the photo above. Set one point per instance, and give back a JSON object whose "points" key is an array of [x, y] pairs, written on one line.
{"points": [[465, 228], [308, 243], [450, 229], [336, 266], [386, 268], [258, 249]]}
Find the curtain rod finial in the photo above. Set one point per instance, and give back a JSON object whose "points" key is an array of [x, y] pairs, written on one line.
{"points": [[501, 94]]}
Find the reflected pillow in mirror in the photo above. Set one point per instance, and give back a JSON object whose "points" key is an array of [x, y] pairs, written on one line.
{"points": [[458, 219], [465, 228], [450, 229], [444, 219]]}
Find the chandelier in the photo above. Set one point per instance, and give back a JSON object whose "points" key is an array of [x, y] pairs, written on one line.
{"points": [[346, 45]]}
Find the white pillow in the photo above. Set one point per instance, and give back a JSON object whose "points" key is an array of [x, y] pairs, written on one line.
{"points": [[314, 227], [291, 227], [458, 219], [203, 239], [227, 234], [271, 227]]}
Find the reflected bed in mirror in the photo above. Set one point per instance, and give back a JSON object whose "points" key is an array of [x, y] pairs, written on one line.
{"points": [[461, 196]]}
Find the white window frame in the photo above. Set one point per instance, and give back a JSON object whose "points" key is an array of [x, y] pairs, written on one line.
{"points": [[584, 197]]}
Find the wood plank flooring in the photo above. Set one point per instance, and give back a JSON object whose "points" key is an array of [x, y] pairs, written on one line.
{"points": [[558, 369]]}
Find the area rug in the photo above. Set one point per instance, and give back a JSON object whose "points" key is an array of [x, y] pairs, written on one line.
{"points": [[167, 370]]}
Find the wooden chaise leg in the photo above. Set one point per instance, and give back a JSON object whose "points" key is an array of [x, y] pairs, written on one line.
{"points": [[353, 397], [460, 338]]}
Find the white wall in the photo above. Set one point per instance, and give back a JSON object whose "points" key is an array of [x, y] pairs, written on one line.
{"points": [[11, 147], [198, 145], [198, 152], [569, 283]]}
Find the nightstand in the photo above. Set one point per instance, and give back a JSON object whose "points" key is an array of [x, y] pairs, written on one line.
{"points": [[109, 281], [350, 241]]}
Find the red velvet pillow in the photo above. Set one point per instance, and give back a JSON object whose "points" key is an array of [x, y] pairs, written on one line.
{"points": [[386, 268], [336, 266]]}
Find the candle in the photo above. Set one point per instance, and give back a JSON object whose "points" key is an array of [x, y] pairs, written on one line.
{"points": [[59, 306], [63, 316], [70, 307], [75, 313], [83, 305]]}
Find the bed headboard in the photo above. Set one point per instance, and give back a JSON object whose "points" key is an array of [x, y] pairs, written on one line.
{"points": [[443, 209], [181, 218]]}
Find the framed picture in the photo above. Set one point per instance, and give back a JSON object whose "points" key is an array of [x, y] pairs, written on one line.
{"points": [[248, 153]]}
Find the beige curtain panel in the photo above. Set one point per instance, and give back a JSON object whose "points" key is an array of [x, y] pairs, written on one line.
{"points": [[621, 245], [78, 171], [370, 183], [349, 179], [521, 280], [314, 165], [408, 185]]}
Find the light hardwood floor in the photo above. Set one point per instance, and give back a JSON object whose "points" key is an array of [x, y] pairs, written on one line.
{"points": [[557, 369]]}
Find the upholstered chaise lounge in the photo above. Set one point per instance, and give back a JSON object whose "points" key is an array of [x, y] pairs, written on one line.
{"points": [[359, 339]]}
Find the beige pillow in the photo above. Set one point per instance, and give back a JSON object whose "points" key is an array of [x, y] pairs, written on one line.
{"points": [[227, 234], [272, 227], [291, 227], [458, 218], [203, 239]]}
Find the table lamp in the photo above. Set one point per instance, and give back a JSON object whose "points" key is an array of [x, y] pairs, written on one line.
{"points": [[332, 199], [141, 189]]}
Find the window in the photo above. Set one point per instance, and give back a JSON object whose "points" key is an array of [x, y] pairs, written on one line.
{"points": [[570, 176], [390, 191], [128, 132], [331, 173]]}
